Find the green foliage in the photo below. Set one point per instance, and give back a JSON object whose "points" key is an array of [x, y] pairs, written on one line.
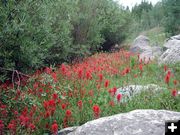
{"points": [[37, 33], [172, 13], [24, 37]]}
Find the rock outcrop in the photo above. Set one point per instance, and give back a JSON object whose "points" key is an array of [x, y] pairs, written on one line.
{"points": [[129, 91], [172, 51], [142, 46], [137, 122]]}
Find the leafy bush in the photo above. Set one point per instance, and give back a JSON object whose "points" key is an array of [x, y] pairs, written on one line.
{"points": [[34, 34]]}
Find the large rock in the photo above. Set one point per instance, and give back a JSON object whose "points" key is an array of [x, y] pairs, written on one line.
{"points": [[65, 131], [137, 122], [172, 51], [177, 37], [172, 44], [140, 44], [131, 90]]}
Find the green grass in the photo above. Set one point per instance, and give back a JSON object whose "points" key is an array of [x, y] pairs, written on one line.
{"points": [[156, 36]]}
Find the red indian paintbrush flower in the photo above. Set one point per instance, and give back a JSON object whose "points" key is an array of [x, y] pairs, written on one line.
{"points": [[88, 75], [55, 96], [119, 96], [80, 104], [32, 127], [68, 113], [141, 67], [174, 92], [91, 93], [100, 77], [1, 127], [96, 111], [165, 68], [167, 78], [106, 84], [175, 82], [54, 76], [63, 106], [63, 69], [12, 127], [111, 103], [54, 128], [127, 70], [80, 73]]}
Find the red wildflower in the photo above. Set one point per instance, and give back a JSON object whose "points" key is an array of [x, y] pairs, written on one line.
{"points": [[96, 111], [47, 126], [119, 96], [80, 73], [70, 94], [12, 127], [88, 75], [127, 70], [100, 77], [169, 72], [53, 111], [114, 90], [40, 90], [25, 111], [24, 120], [59, 101], [174, 92], [54, 76], [1, 126], [65, 121], [90, 101], [32, 126], [91, 93], [111, 103], [54, 128], [52, 103], [80, 104], [138, 56], [35, 85], [55, 96], [48, 70], [47, 91], [46, 104], [63, 69], [141, 67], [63, 106], [47, 114], [165, 68], [175, 82], [167, 78], [106, 84], [68, 113]]}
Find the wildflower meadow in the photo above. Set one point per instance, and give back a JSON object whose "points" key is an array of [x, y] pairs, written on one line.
{"points": [[53, 98]]}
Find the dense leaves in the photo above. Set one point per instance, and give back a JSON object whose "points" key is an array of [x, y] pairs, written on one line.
{"points": [[36, 33]]}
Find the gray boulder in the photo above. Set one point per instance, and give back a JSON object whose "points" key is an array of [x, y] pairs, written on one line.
{"points": [[172, 44], [172, 51], [129, 91], [170, 56], [137, 122], [65, 131], [140, 44], [177, 37]]}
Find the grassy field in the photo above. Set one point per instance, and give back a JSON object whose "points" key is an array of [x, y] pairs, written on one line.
{"points": [[70, 95], [156, 36]]}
